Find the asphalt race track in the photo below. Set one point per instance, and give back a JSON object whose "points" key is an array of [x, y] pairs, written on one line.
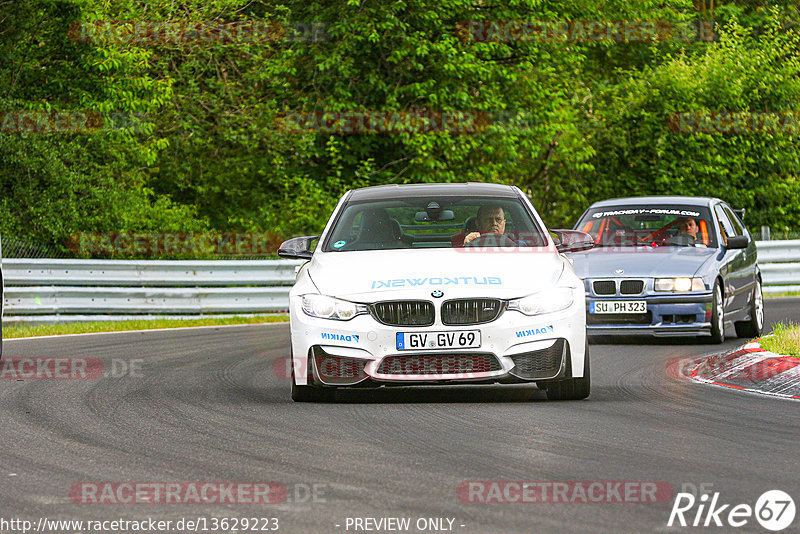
{"points": [[206, 405]]}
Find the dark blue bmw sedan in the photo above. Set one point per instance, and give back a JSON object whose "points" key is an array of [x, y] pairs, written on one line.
{"points": [[669, 266]]}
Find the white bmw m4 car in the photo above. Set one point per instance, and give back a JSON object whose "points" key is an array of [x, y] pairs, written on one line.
{"points": [[437, 284]]}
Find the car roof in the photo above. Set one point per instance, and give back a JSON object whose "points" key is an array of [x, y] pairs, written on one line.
{"points": [[411, 190], [635, 201]]}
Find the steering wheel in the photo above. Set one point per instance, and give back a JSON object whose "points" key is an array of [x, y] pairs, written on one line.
{"points": [[683, 240], [492, 240]]}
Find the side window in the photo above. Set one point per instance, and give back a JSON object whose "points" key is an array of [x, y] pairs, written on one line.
{"points": [[725, 227], [737, 226]]}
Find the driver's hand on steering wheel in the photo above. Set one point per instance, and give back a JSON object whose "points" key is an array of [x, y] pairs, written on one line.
{"points": [[469, 237]]}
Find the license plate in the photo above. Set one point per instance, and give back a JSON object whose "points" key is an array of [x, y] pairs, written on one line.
{"points": [[618, 306], [461, 339]]}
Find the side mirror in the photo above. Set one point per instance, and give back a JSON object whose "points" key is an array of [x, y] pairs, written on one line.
{"points": [[297, 248], [572, 240], [740, 241]]}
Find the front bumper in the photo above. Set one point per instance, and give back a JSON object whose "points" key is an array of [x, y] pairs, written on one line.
{"points": [[514, 348], [667, 315]]}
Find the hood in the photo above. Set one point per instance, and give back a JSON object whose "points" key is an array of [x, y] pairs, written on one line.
{"points": [[368, 276], [641, 262]]}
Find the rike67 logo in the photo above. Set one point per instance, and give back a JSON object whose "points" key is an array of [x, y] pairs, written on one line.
{"points": [[774, 510]]}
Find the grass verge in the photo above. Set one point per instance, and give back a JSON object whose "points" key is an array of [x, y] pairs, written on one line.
{"points": [[786, 294], [785, 339], [17, 331]]}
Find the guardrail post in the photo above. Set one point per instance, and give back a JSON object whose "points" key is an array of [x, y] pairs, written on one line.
{"points": [[765, 233]]}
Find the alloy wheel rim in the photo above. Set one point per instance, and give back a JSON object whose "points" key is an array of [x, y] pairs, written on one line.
{"points": [[759, 305], [720, 310]]}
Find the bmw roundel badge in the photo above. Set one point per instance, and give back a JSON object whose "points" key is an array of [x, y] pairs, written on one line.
{"points": [[436, 294]]}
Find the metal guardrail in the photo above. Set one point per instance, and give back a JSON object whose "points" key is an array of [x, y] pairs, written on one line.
{"points": [[133, 300], [62, 272], [59, 290], [780, 265]]}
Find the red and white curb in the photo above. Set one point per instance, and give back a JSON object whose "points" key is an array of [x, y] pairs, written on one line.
{"points": [[748, 368]]}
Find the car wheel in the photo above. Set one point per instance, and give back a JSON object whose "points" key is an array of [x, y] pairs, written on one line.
{"points": [[753, 326], [310, 393], [571, 388], [717, 315]]}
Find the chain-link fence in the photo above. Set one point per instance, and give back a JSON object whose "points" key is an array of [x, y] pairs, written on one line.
{"points": [[13, 247], [767, 233]]}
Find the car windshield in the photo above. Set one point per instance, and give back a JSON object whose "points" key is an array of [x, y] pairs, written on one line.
{"points": [[432, 222], [649, 225]]}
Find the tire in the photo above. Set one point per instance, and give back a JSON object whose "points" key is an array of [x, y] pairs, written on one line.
{"points": [[571, 388], [717, 315], [310, 393], [753, 326]]}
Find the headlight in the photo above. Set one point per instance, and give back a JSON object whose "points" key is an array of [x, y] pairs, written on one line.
{"points": [[679, 284], [326, 307], [547, 301]]}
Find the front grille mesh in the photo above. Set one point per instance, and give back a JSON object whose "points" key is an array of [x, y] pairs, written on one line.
{"points": [[631, 287], [338, 370], [404, 313], [470, 311], [545, 363], [438, 364], [605, 287]]}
